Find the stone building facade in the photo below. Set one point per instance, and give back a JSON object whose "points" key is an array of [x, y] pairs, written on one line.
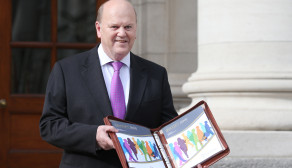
{"points": [[237, 56]]}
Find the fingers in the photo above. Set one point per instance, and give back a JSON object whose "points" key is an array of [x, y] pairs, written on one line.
{"points": [[102, 137], [200, 166]]}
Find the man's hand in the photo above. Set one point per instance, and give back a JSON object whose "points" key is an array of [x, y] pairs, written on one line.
{"points": [[200, 166], [102, 137]]}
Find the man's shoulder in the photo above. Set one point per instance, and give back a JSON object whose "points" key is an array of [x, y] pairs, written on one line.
{"points": [[77, 59]]}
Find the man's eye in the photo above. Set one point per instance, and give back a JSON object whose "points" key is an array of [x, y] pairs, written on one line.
{"points": [[128, 27], [114, 27]]}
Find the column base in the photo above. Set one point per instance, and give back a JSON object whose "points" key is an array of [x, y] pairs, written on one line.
{"points": [[248, 110], [257, 149]]}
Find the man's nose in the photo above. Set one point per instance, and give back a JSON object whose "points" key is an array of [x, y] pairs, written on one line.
{"points": [[121, 32]]}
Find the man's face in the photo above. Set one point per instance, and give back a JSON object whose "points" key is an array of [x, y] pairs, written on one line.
{"points": [[117, 30]]}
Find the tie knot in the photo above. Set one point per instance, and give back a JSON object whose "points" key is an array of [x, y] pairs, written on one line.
{"points": [[117, 65]]}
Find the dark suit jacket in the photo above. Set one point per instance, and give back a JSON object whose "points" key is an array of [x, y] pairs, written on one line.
{"points": [[77, 101]]}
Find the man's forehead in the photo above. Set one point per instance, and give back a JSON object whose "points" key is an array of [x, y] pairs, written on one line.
{"points": [[119, 8], [118, 19]]}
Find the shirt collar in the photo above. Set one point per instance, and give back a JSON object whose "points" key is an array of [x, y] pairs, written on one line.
{"points": [[105, 59]]}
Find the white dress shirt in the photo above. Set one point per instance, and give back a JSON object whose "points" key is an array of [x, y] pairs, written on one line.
{"points": [[108, 71]]}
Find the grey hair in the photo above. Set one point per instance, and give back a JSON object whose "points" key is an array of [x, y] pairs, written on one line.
{"points": [[99, 13]]}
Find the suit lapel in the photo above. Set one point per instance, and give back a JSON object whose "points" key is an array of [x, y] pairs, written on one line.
{"points": [[138, 80], [93, 77]]}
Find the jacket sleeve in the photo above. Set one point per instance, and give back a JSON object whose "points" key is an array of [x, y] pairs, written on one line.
{"points": [[168, 110], [55, 127]]}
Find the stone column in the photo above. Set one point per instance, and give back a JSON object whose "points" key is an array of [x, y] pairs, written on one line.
{"points": [[245, 75], [245, 63], [166, 36]]}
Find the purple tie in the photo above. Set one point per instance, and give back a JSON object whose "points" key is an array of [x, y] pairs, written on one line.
{"points": [[117, 93]]}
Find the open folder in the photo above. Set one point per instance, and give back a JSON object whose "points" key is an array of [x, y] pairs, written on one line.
{"points": [[191, 138]]}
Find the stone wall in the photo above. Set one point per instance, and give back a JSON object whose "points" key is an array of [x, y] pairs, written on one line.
{"points": [[235, 55], [167, 35]]}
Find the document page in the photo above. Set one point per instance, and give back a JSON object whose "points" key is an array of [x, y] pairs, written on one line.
{"points": [[191, 139], [138, 145]]}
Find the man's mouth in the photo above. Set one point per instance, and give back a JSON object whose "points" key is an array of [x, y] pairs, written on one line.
{"points": [[122, 41]]}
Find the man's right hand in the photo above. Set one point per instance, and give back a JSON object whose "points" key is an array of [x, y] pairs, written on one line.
{"points": [[102, 138]]}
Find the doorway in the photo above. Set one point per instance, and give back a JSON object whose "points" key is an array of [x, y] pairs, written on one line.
{"points": [[33, 36]]}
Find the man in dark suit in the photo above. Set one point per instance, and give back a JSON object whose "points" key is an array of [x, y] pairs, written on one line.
{"points": [[77, 95]]}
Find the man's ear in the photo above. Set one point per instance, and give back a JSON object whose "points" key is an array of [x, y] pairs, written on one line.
{"points": [[98, 27]]}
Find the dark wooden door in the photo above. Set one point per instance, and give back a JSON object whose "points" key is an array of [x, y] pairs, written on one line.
{"points": [[33, 36]]}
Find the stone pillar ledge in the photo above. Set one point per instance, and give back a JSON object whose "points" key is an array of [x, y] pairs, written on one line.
{"points": [[248, 111], [257, 149], [259, 144], [252, 162], [240, 85]]}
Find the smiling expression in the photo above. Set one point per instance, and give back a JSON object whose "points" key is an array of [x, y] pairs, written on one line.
{"points": [[117, 28]]}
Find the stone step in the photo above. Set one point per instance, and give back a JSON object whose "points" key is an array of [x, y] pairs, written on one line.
{"points": [[233, 162], [257, 149]]}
